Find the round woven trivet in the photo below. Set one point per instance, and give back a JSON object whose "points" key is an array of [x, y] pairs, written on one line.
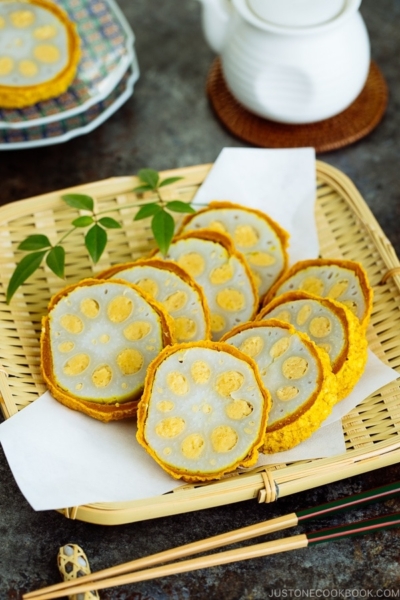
{"points": [[354, 123]]}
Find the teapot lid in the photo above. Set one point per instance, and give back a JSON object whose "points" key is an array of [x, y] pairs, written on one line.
{"points": [[296, 13]]}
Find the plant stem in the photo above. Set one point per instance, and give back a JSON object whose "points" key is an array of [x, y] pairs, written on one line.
{"points": [[136, 204], [66, 235], [133, 205]]}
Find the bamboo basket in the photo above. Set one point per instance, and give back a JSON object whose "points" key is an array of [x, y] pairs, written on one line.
{"points": [[346, 229]]}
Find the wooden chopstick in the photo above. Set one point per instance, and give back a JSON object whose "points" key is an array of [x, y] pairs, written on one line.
{"points": [[222, 558], [211, 543], [201, 562], [231, 537]]}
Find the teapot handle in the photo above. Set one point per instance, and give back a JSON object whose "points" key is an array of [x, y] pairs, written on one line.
{"points": [[216, 15]]}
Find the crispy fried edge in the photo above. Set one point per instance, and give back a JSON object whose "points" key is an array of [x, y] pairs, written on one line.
{"points": [[165, 265], [350, 364], [287, 433], [282, 234], [351, 265], [227, 243], [143, 407], [21, 96], [97, 410]]}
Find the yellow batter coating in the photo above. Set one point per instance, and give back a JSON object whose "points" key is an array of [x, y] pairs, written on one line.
{"points": [[285, 372], [262, 240], [127, 360], [184, 324], [331, 278], [350, 362], [222, 271], [45, 53], [206, 419]]}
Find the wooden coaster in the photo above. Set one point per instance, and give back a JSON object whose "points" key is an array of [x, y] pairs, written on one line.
{"points": [[354, 123]]}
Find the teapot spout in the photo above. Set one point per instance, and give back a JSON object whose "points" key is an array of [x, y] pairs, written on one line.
{"points": [[216, 15]]}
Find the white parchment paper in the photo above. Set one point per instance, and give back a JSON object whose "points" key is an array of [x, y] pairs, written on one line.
{"points": [[279, 182]]}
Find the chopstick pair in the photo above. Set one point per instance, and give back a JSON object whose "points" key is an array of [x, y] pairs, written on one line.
{"points": [[131, 572]]}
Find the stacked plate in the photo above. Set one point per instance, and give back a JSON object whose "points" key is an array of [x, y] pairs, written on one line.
{"points": [[105, 79]]}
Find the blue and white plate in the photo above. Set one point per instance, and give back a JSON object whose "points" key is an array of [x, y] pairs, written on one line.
{"points": [[56, 132], [107, 48]]}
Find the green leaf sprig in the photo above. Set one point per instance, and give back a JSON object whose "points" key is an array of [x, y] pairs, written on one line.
{"points": [[162, 222], [41, 249]]}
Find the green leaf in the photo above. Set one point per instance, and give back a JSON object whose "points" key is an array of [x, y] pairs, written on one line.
{"points": [[148, 210], [142, 188], [178, 206], [163, 227], [24, 269], [109, 223], [169, 180], [95, 242], [82, 221], [55, 260], [150, 177], [80, 201], [35, 242]]}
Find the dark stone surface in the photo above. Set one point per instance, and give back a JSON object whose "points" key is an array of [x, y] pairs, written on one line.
{"points": [[168, 123]]}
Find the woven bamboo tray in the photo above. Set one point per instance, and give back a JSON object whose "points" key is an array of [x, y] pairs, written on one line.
{"points": [[346, 229]]}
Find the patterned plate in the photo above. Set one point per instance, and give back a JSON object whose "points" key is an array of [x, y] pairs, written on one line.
{"points": [[66, 129], [107, 51]]}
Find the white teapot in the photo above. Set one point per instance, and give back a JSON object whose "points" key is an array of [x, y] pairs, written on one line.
{"points": [[291, 61]]}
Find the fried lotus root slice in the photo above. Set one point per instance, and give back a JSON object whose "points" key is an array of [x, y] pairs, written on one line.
{"points": [[222, 272], [343, 280], [296, 373], [97, 342], [39, 52], [331, 326], [203, 411], [260, 239], [175, 289]]}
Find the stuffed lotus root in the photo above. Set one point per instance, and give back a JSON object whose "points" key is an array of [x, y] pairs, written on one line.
{"points": [[329, 324], [211, 259], [262, 241], [296, 373], [342, 280], [97, 341], [203, 411], [174, 289], [39, 52]]}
